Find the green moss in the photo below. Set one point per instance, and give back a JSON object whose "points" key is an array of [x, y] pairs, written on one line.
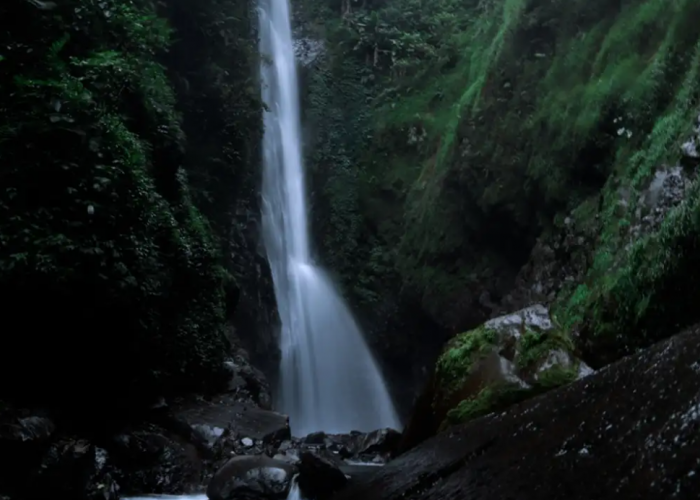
{"points": [[534, 346], [500, 396], [455, 364], [488, 400], [525, 109], [555, 376]]}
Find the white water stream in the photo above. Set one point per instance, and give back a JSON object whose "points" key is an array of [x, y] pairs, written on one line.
{"points": [[329, 379]]}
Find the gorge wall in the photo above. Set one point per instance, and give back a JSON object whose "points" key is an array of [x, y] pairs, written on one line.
{"points": [[466, 159], [472, 158], [128, 237]]}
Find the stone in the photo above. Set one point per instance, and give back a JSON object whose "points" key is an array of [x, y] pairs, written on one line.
{"points": [[317, 438], [251, 477], [244, 419], [75, 468], [247, 442], [514, 353], [627, 431], [247, 381], [665, 191], [506, 360], [382, 442], [24, 438], [151, 459], [319, 478]]}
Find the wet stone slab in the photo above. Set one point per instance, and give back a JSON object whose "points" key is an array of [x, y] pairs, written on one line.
{"points": [[245, 419], [629, 431]]}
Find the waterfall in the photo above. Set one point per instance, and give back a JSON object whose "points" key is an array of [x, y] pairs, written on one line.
{"points": [[329, 379]]}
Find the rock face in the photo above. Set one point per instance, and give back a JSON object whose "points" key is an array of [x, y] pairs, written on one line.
{"points": [[37, 463], [505, 360], [245, 419], [691, 147], [152, 459], [318, 460], [627, 431], [375, 446], [319, 477], [251, 477]]}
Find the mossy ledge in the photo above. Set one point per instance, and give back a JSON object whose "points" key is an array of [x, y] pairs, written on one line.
{"points": [[505, 360]]}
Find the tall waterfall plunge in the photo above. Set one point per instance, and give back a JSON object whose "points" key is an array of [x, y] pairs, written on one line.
{"points": [[329, 380]]}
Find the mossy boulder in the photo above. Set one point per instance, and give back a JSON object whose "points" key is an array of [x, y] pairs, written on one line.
{"points": [[505, 360]]}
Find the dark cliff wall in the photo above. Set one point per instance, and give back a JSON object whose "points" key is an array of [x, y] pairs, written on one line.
{"points": [[472, 157], [129, 151]]}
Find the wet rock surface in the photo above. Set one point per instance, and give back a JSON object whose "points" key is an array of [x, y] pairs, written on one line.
{"points": [[172, 448], [226, 411], [38, 462], [631, 430], [505, 360], [325, 463], [691, 148], [230, 442], [319, 477], [251, 477]]}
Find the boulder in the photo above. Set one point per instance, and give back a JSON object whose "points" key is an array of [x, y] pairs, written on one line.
{"points": [[246, 380], [74, 468], [690, 149], [153, 460], [319, 477], [627, 431], [244, 419], [507, 359], [382, 442], [315, 438], [40, 463], [24, 438], [251, 477]]}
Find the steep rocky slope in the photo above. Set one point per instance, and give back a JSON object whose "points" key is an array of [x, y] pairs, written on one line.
{"points": [[472, 158], [628, 431]]}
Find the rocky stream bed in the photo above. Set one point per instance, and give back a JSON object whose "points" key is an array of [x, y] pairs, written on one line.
{"points": [[630, 430], [226, 446]]}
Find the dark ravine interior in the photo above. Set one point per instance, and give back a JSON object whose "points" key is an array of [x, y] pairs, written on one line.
{"points": [[505, 191]]}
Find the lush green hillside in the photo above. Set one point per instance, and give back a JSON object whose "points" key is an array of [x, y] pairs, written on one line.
{"points": [[492, 123]]}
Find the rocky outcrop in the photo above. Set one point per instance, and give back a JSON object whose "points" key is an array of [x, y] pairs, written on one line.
{"points": [[244, 419], [319, 477], [375, 446], [251, 477], [691, 147], [504, 361], [627, 431]]}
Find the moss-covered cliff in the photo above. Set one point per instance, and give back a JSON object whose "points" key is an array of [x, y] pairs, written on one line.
{"points": [[129, 164], [508, 152]]}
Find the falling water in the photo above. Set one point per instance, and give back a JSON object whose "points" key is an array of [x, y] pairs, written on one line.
{"points": [[330, 382]]}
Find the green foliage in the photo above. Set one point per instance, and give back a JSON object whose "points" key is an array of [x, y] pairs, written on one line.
{"points": [[99, 221], [492, 117], [461, 353], [336, 114], [488, 400], [498, 397], [534, 346]]}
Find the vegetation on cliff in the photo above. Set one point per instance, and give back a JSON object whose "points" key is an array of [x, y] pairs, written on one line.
{"points": [[494, 123], [126, 140]]}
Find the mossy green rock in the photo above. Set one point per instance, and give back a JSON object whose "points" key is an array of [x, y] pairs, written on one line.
{"points": [[505, 360]]}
